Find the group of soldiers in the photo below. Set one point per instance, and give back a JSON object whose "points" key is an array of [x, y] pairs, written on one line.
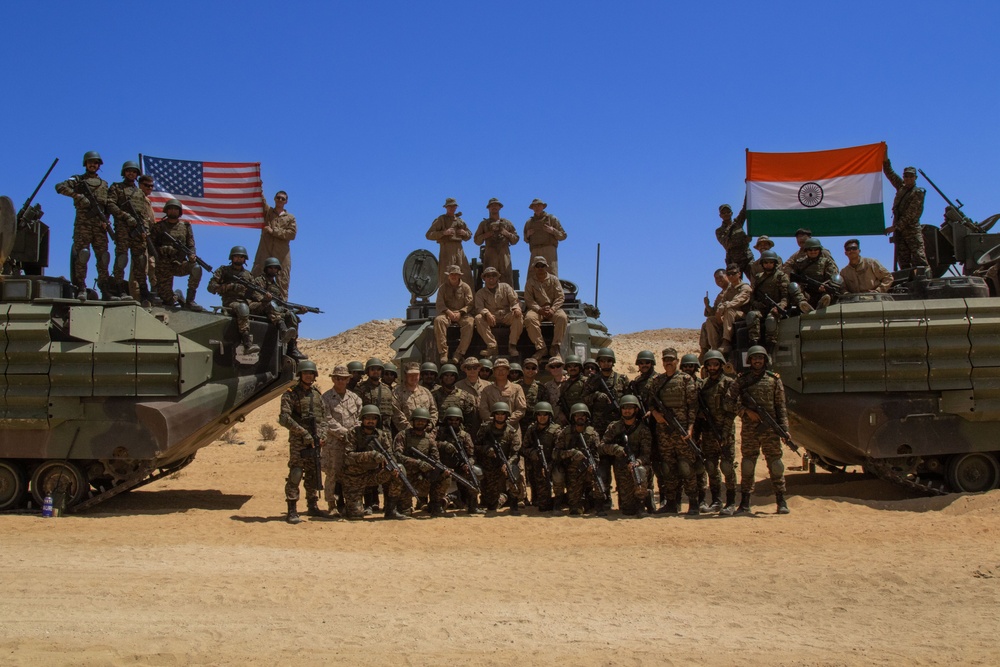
{"points": [[492, 435]]}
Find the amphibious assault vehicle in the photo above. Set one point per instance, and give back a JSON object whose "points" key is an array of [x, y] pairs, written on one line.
{"points": [[907, 383], [99, 397], [414, 340]]}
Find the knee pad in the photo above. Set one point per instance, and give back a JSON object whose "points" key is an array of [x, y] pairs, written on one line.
{"points": [[140, 262], [770, 325], [104, 258], [196, 272], [748, 465], [121, 260], [752, 318], [727, 467], [684, 469], [82, 256], [294, 476], [241, 309], [776, 466]]}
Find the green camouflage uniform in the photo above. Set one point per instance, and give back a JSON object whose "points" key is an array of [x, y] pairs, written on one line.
{"points": [[720, 456], [120, 196], [172, 261], [603, 412], [571, 393], [631, 498], [769, 393], [495, 481], [364, 467], [907, 207], [88, 229], [271, 310], [449, 451], [678, 461], [533, 470], [461, 399], [533, 393], [375, 392], [301, 404], [736, 242], [579, 477], [821, 269], [235, 297], [774, 285], [427, 481]]}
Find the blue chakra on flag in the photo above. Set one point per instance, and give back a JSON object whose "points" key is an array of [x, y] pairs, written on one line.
{"points": [[810, 194]]}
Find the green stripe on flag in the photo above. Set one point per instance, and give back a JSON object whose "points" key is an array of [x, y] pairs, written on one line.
{"points": [[867, 219]]}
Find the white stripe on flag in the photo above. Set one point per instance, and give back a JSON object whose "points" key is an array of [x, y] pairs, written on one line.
{"points": [[854, 190]]}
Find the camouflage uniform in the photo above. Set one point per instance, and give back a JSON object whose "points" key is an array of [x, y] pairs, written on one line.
{"points": [[730, 304], [120, 196], [275, 239], [553, 390], [511, 394], [631, 498], [799, 254], [448, 450], [542, 487], [497, 253], [343, 413], [495, 481], [579, 476], [775, 285], [595, 398], [276, 314], [500, 303], [458, 299], [736, 242], [88, 229], [427, 481], [907, 207], [533, 393], [299, 404], [364, 467], [720, 456], [767, 390], [404, 401], [451, 248], [461, 399], [375, 392], [639, 387], [541, 243], [677, 460], [821, 269], [235, 297], [172, 261], [537, 294]]}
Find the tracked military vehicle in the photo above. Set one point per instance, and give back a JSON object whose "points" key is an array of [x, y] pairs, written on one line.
{"points": [[907, 383], [101, 397], [414, 340]]}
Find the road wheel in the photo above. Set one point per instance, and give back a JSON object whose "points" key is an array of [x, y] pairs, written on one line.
{"points": [[12, 485], [974, 472], [58, 475]]}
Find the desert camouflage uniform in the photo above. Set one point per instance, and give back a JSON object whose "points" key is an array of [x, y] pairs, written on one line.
{"points": [[451, 248], [427, 481], [533, 470], [631, 498], [511, 394], [775, 285], [907, 207], [497, 253], [364, 467], [375, 392], [541, 242], [458, 299], [769, 393], [678, 461], [461, 399], [720, 457], [579, 477], [237, 298], [553, 390], [300, 404], [736, 242], [276, 244], [732, 302], [544, 293], [172, 261], [343, 414], [120, 195], [821, 269], [404, 401], [495, 481], [88, 229], [501, 303]]}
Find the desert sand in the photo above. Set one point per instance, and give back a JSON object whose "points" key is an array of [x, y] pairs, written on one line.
{"points": [[200, 569]]}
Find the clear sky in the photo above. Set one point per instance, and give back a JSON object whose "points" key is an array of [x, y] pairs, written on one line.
{"points": [[630, 119]]}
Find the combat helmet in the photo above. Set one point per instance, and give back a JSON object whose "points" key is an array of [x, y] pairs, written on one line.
{"points": [[428, 367], [448, 368], [543, 407], [355, 367], [768, 255], [390, 368], [272, 261], [129, 164], [715, 354], [578, 408], [237, 250], [605, 353], [812, 244], [173, 203], [627, 399], [453, 411], [500, 406], [371, 409], [420, 413], [645, 355], [572, 359], [306, 366], [690, 359], [758, 349], [92, 155], [374, 362]]}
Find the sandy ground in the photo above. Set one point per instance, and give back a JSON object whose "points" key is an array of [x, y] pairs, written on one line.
{"points": [[201, 569]]}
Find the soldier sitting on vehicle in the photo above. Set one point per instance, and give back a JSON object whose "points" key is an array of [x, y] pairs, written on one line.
{"points": [[817, 275], [173, 260], [237, 297], [285, 319]]}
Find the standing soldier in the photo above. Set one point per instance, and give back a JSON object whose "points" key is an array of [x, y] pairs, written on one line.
{"points": [[496, 479], [429, 376], [374, 391], [425, 479], [410, 395], [734, 239], [718, 433], [390, 374], [448, 395], [357, 371], [622, 437], [449, 230], [275, 238], [149, 219], [553, 389], [673, 394], [235, 296], [343, 409], [502, 390], [601, 394], [691, 366], [90, 228], [304, 415], [570, 451], [498, 234], [542, 233], [572, 388], [538, 446], [486, 370], [451, 436], [544, 298], [907, 207], [769, 296], [533, 391], [173, 261], [754, 390], [473, 385], [496, 304], [365, 467], [454, 301], [283, 318], [645, 361], [127, 203]]}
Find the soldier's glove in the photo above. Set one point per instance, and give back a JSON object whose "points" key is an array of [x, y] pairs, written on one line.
{"points": [[619, 451], [81, 200], [577, 456], [425, 467], [307, 440]]}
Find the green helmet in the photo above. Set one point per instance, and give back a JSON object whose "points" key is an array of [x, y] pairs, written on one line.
{"points": [[627, 399], [272, 261], [645, 355], [578, 408], [92, 155], [420, 413], [175, 203], [237, 250], [795, 291], [486, 363], [374, 362], [572, 359], [500, 406], [769, 255], [355, 367], [448, 368], [543, 407], [590, 362], [371, 409], [605, 353], [516, 367], [428, 367], [758, 349], [690, 359], [390, 368], [130, 164], [812, 244], [453, 411], [715, 354], [306, 366]]}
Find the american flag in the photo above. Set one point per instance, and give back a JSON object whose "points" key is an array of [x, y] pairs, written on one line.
{"points": [[212, 193]]}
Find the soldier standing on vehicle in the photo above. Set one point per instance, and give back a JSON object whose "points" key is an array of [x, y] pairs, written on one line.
{"points": [[734, 239], [863, 274], [630, 429], [127, 203], [90, 228], [173, 261], [542, 233], [149, 219], [236, 297], [569, 451], [303, 413], [365, 467], [343, 409], [449, 230], [544, 298], [498, 234], [275, 239], [496, 304], [907, 207], [718, 433], [674, 393], [453, 306]]}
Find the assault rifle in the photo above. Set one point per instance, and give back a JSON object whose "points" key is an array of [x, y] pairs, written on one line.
{"points": [[95, 206], [671, 418], [607, 390], [465, 460], [703, 409], [545, 464], [631, 460], [592, 465], [313, 452], [142, 235], [774, 304], [186, 251], [442, 469], [27, 203], [498, 450], [295, 307], [391, 464], [769, 420], [828, 285]]}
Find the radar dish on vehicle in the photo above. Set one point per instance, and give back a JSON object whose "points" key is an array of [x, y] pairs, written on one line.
{"points": [[990, 256], [420, 273], [8, 227]]}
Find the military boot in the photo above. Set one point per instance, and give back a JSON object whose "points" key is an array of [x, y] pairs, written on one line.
{"points": [[436, 510], [513, 505], [292, 350], [145, 298], [669, 507], [314, 510], [473, 507], [293, 514], [716, 501], [249, 347], [730, 507], [744, 507], [390, 510], [285, 335], [779, 498], [190, 304], [702, 500], [694, 508]]}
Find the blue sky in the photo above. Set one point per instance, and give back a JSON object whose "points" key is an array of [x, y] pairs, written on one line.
{"points": [[630, 119]]}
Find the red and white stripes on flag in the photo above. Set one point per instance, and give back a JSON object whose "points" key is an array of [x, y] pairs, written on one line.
{"points": [[229, 194]]}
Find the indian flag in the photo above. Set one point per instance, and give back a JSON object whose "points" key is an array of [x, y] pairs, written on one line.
{"points": [[833, 193]]}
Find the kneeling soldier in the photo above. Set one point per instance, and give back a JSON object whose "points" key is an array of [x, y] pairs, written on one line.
{"points": [[365, 466], [630, 444], [428, 482], [571, 447], [539, 444], [452, 441], [498, 448]]}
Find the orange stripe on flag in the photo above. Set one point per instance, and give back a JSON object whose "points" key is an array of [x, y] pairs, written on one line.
{"points": [[816, 165]]}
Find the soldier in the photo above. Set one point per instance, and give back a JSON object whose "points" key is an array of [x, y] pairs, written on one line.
{"points": [[730, 306], [516, 373], [544, 297], [429, 376], [173, 261], [863, 274], [449, 230], [533, 390], [365, 467], [571, 391], [472, 383], [127, 203], [631, 431], [343, 409], [497, 304], [303, 413], [277, 234], [675, 392], [497, 431], [447, 395], [498, 234], [645, 361], [454, 301], [601, 394], [542, 233], [691, 366], [801, 237], [357, 371], [768, 298], [389, 374], [538, 446], [90, 228], [736, 242], [450, 436], [425, 479], [907, 207], [485, 370], [411, 395], [501, 390], [718, 433], [236, 297], [374, 391], [705, 340], [149, 219], [811, 269], [570, 452], [763, 243], [590, 368], [553, 389], [756, 435], [283, 318]]}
